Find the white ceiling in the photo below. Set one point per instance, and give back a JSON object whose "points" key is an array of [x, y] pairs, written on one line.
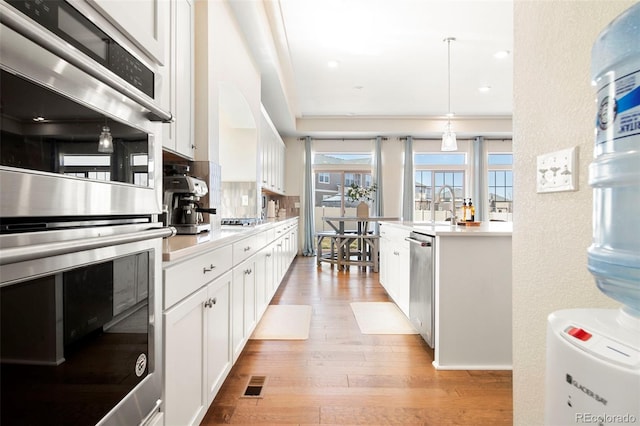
{"points": [[392, 60]]}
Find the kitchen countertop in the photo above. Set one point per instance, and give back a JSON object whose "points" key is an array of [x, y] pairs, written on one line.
{"points": [[446, 230], [181, 246]]}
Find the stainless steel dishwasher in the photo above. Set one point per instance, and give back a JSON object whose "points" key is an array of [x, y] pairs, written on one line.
{"points": [[421, 288]]}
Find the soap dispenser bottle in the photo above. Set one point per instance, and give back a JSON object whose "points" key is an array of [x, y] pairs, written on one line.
{"points": [[464, 209], [472, 211]]}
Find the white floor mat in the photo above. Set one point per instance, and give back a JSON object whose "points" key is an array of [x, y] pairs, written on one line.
{"points": [[284, 322], [381, 318]]}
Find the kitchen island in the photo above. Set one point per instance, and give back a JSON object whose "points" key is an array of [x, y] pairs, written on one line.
{"points": [[471, 289]]}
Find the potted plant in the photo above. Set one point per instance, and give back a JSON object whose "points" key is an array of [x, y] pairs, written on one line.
{"points": [[363, 194]]}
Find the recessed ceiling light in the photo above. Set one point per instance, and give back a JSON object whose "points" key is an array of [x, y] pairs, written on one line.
{"points": [[332, 64], [484, 89], [38, 119], [358, 87], [501, 54]]}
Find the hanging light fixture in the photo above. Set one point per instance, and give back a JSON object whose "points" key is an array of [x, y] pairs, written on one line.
{"points": [[105, 142], [449, 142]]}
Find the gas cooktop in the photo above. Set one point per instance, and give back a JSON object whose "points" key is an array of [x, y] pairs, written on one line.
{"points": [[241, 221]]}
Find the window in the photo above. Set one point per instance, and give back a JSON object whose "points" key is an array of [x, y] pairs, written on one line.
{"points": [[96, 167], [139, 164], [324, 178], [500, 182], [432, 202], [334, 173], [320, 159]]}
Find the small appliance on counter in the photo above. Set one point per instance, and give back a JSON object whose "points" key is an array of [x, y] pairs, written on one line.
{"points": [[271, 209], [181, 196]]}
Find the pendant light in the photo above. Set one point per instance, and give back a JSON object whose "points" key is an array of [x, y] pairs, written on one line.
{"points": [[105, 142], [449, 142]]}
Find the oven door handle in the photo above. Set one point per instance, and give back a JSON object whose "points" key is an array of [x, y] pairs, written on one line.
{"points": [[149, 417], [74, 57], [39, 251]]}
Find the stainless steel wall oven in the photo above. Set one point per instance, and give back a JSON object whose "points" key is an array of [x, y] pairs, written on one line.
{"points": [[80, 326], [80, 239]]}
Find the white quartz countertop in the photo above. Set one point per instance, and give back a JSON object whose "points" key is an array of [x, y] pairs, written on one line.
{"points": [[181, 246], [446, 230]]}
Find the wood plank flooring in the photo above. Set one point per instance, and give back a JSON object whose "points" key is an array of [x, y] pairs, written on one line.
{"points": [[342, 377]]}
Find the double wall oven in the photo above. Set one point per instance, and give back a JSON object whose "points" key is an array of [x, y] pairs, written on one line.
{"points": [[80, 239]]}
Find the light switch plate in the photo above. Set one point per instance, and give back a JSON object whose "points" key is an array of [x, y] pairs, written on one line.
{"points": [[556, 171], [245, 200]]}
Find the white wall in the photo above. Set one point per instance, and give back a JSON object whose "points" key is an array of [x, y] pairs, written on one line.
{"points": [[553, 109]]}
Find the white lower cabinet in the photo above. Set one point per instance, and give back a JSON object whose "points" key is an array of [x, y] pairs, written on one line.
{"points": [[219, 359], [243, 304], [212, 303], [197, 354], [394, 265], [265, 275], [184, 355]]}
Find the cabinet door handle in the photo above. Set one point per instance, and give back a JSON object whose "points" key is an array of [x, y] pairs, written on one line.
{"points": [[208, 304], [214, 300], [396, 253], [248, 271], [268, 254], [209, 269], [247, 248]]}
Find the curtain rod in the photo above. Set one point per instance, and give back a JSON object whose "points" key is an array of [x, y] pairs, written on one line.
{"points": [[404, 138], [344, 139]]}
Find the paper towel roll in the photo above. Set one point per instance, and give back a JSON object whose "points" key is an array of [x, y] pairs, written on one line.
{"points": [[271, 209]]}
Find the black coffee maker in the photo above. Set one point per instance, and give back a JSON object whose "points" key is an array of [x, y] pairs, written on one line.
{"points": [[182, 194]]}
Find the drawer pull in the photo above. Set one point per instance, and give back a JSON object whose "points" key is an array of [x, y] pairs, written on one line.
{"points": [[247, 248], [268, 254], [209, 269], [248, 271], [208, 304], [396, 253]]}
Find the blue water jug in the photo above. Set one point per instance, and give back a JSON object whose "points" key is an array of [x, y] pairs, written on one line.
{"points": [[614, 255]]}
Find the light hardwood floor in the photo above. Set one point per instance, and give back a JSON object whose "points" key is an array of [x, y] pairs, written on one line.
{"points": [[342, 377]]}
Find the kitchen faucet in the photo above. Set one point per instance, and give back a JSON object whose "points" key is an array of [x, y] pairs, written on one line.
{"points": [[454, 219]]}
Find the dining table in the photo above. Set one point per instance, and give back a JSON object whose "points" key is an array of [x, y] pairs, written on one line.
{"points": [[339, 223], [355, 230]]}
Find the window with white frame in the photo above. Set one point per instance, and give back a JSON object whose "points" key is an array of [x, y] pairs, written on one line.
{"points": [[335, 172], [324, 178], [500, 182], [433, 173]]}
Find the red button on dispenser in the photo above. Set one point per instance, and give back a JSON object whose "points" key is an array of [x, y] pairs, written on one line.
{"points": [[579, 333]]}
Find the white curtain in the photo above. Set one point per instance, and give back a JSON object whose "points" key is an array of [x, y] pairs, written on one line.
{"points": [[309, 247], [407, 188]]}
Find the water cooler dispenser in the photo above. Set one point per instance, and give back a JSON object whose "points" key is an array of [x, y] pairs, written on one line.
{"points": [[593, 355]]}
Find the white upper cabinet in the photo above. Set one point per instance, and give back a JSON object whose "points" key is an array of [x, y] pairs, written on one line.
{"points": [[143, 22], [179, 135], [272, 154]]}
